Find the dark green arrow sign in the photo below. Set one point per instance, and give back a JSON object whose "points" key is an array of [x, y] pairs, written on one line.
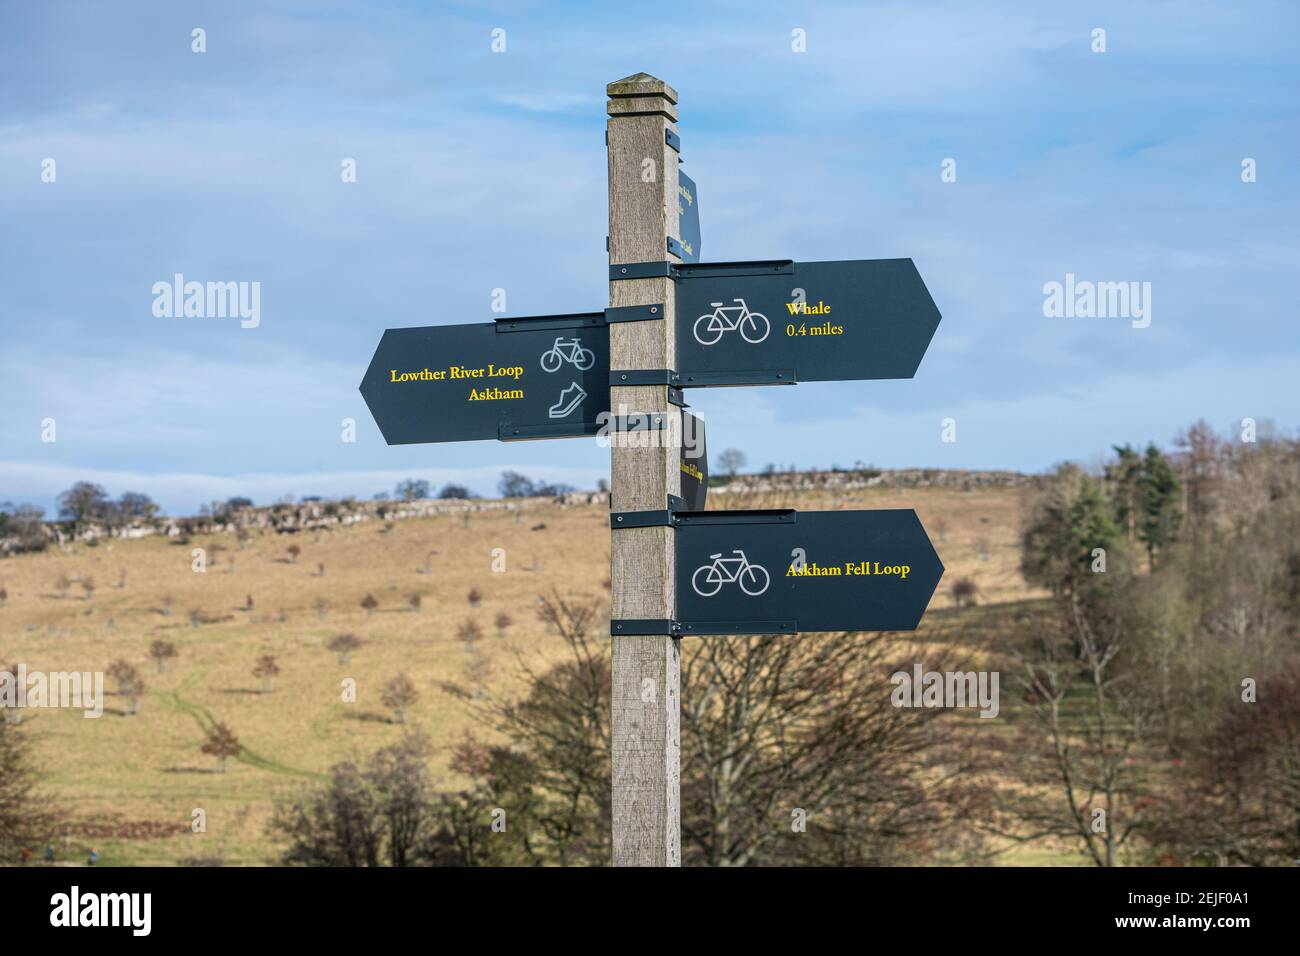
{"points": [[694, 463], [761, 572], [545, 377], [738, 323], [688, 219], [752, 323]]}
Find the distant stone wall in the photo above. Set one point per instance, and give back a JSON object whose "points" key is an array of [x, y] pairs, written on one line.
{"points": [[310, 515], [874, 478], [307, 516]]}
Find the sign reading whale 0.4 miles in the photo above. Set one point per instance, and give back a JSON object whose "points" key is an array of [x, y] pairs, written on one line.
{"points": [[544, 377], [752, 323]]}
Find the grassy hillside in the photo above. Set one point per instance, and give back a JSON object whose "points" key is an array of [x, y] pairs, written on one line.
{"points": [[131, 782]]}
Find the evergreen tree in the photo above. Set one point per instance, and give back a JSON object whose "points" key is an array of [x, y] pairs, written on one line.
{"points": [[1159, 515], [1067, 522], [1122, 478]]}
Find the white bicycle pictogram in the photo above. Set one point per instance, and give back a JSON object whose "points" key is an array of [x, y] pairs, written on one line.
{"points": [[569, 350], [710, 327], [708, 579]]}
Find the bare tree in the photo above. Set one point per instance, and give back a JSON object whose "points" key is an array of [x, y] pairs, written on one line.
{"points": [[378, 815], [555, 774], [475, 597], [399, 695], [129, 683], [343, 645], [368, 603], [162, 652], [730, 461], [88, 587], [221, 743], [776, 725], [1201, 467], [503, 622], [337, 826], [964, 591], [470, 632], [770, 726], [1086, 743], [266, 669], [1238, 799]]}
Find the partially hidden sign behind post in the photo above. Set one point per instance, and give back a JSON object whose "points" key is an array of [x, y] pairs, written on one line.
{"points": [[756, 572], [752, 323], [694, 461], [688, 219], [544, 377]]}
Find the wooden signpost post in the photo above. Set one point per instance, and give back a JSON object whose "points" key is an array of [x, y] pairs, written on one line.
{"points": [[645, 680], [675, 323]]}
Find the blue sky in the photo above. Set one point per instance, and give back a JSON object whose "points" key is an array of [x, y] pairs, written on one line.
{"points": [[479, 171]]}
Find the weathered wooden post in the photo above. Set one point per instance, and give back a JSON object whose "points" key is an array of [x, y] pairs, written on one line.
{"points": [[646, 673]]}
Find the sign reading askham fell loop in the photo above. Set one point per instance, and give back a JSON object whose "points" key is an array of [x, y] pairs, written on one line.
{"points": [[545, 377], [773, 572], [754, 323], [694, 463]]}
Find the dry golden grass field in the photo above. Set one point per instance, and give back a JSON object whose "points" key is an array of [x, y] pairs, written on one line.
{"points": [[131, 782]]}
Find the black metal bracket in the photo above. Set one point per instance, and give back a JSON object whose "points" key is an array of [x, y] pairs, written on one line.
{"points": [[676, 270], [676, 248], [508, 432], [714, 379], [665, 518], [642, 519], [643, 627], [649, 627], [756, 516], [703, 628], [726, 270], [575, 320], [643, 270], [634, 313], [652, 376], [644, 376], [673, 140], [676, 514]]}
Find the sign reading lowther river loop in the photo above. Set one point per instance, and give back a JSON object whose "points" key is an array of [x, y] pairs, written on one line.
{"points": [[545, 377]]}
